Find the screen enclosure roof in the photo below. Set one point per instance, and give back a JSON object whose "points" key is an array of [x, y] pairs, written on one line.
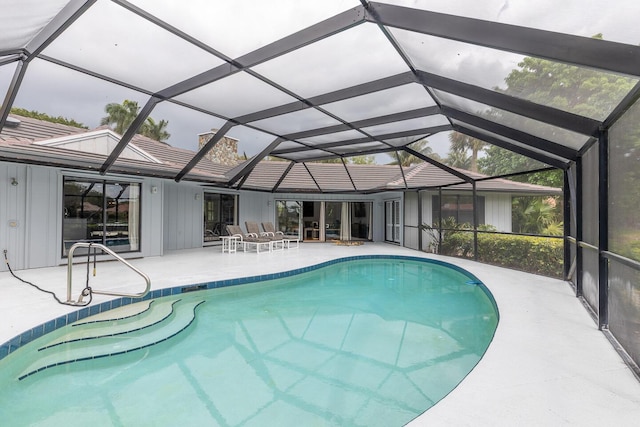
{"points": [[305, 81]]}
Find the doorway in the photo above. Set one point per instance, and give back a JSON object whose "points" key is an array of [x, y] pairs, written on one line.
{"points": [[311, 214], [219, 211]]}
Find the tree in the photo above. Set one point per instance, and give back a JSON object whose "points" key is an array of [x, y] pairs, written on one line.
{"points": [[582, 91], [154, 130], [47, 118], [120, 116], [405, 159], [463, 143], [458, 159], [353, 160], [362, 160], [536, 215], [499, 161]]}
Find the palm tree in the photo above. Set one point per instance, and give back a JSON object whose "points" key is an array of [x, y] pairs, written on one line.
{"points": [[405, 159], [462, 142], [154, 130], [458, 159], [535, 215], [120, 115]]}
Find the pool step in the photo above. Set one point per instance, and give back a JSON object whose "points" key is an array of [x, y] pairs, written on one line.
{"points": [[111, 324], [120, 313], [181, 317]]}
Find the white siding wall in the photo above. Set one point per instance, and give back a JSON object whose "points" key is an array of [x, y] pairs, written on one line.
{"points": [[152, 218], [29, 216], [427, 217], [183, 220], [410, 220], [43, 216], [254, 206], [12, 214], [497, 211]]}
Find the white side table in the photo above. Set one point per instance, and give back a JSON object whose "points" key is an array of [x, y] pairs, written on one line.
{"points": [[229, 243]]}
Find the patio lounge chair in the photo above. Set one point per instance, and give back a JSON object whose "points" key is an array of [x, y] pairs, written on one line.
{"points": [[250, 239], [254, 228], [270, 229]]}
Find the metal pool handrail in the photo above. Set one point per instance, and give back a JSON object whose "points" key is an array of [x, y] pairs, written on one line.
{"points": [[113, 254]]}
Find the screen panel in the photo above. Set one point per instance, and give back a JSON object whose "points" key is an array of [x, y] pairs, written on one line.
{"points": [[125, 45], [358, 55]]}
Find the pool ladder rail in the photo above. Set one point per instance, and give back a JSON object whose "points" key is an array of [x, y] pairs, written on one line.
{"points": [[87, 290]]}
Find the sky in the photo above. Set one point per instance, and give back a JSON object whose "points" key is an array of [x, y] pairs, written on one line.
{"points": [[112, 41]]}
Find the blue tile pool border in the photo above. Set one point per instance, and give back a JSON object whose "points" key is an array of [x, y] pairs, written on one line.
{"points": [[26, 337]]}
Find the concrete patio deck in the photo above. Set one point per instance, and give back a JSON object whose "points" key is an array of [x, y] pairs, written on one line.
{"points": [[548, 364]]}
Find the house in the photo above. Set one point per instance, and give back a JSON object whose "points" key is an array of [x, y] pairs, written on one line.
{"points": [[56, 196]]}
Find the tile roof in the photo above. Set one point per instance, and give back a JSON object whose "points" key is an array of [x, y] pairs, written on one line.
{"points": [[18, 144], [29, 129]]}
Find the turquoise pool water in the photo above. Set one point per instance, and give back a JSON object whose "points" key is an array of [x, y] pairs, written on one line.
{"points": [[372, 342]]}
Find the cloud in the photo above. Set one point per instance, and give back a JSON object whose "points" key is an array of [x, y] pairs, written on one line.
{"points": [[111, 40]]}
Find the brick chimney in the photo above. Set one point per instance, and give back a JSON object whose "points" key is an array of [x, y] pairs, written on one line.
{"points": [[225, 152]]}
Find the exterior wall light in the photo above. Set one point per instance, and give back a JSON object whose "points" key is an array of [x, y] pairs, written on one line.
{"points": [[14, 182]]}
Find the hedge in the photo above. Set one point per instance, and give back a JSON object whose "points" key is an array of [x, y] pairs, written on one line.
{"points": [[538, 255]]}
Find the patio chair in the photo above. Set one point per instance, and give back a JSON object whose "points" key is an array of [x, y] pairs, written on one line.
{"points": [[270, 229], [254, 228], [249, 239]]}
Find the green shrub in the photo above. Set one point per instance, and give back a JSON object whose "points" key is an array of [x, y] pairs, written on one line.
{"points": [[538, 255]]}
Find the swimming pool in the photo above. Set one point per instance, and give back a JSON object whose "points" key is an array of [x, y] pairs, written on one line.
{"points": [[359, 342]]}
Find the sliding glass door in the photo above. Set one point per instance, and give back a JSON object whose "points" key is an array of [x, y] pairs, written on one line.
{"points": [[392, 221], [288, 217], [324, 221], [333, 220], [361, 221], [100, 211], [219, 211]]}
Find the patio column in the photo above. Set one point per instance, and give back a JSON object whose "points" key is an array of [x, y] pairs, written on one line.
{"points": [[439, 220], [603, 229], [578, 208], [419, 220], [475, 221], [566, 194]]}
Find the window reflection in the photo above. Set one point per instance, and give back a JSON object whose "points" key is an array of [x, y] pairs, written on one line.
{"points": [[103, 212], [219, 211]]}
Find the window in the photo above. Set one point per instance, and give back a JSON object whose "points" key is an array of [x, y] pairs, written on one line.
{"points": [[219, 211], [100, 211], [458, 207]]}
